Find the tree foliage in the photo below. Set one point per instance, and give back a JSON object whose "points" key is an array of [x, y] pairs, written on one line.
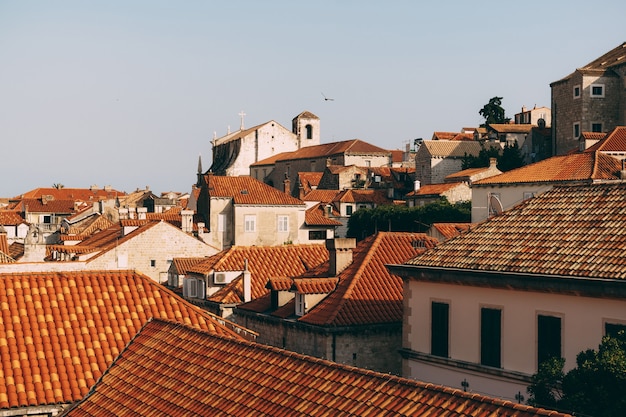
{"points": [[493, 112], [366, 222], [595, 387], [510, 158]]}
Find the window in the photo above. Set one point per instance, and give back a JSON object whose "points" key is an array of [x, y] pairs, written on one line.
{"points": [[300, 304], [283, 223], [576, 130], [313, 166], [576, 91], [597, 90], [490, 336], [309, 131], [612, 329], [368, 163], [548, 338], [348, 210], [317, 235], [152, 263], [249, 221], [439, 329], [596, 127], [221, 223]]}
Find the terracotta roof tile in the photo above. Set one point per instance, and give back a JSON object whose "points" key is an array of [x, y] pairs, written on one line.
{"points": [[11, 218], [34, 205], [450, 230], [614, 141], [323, 196], [367, 293], [314, 285], [264, 262], [585, 166], [454, 148], [375, 196], [175, 370], [433, 189], [577, 231], [74, 194], [60, 331], [511, 128], [247, 190], [315, 216]]}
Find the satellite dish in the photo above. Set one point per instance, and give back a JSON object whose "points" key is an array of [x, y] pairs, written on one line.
{"points": [[541, 123], [495, 205]]}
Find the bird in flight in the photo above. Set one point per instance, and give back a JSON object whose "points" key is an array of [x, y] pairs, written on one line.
{"points": [[327, 99]]}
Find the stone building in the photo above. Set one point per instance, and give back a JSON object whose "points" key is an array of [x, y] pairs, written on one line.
{"points": [[348, 310], [235, 152], [590, 99]]}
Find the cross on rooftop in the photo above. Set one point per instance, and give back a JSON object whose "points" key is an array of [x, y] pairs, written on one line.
{"points": [[241, 114]]}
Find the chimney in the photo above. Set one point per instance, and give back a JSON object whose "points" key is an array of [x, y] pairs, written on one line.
{"points": [[493, 162], [339, 254], [131, 213], [287, 186], [141, 213], [247, 282], [416, 185], [187, 220]]}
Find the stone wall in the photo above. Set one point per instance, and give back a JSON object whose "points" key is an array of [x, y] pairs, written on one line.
{"points": [[369, 347]]}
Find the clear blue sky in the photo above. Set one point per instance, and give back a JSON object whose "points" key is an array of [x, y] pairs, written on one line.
{"points": [[128, 93]]}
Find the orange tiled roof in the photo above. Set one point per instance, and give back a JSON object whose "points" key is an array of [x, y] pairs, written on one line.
{"points": [[74, 194], [433, 189], [444, 135], [323, 196], [60, 331], [375, 196], [577, 231], [247, 190], [34, 205], [354, 146], [175, 370], [314, 285], [614, 141], [314, 216], [10, 218], [183, 265], [264, 262], [450, 230], [585, 166], [467, 173], [309, 180], [367, 293], [16, 250], [455, 148]]}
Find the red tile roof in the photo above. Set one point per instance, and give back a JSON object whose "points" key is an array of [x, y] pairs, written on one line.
{"points": [[33, 205], [354, 146], [585, 166], [314, 285], [605, 62], [75, 194], [247, 190], [511, 128], [323, 196], [60, 331], [450, 230], [375, 196], [433, 189], [175, 370], [315, 216], [11, 218], [614, 141], [309, 180], [577, 231], [264, 262]]}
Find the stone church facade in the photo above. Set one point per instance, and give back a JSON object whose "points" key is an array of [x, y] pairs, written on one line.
{"points": [[234, 153]]}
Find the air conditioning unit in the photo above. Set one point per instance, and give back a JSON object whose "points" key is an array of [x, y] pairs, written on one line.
{"points": [[219, 278]]}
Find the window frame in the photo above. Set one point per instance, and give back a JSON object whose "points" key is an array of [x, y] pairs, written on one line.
{"points": [[576, 130], [440, 328], [491, 336], [549, 337], [349, 209], [596, 127], [594, 86], [282, 223], [576, 91], [249, 223]]}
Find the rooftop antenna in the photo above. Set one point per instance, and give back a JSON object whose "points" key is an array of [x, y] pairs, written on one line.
{"points": [[241, 114]]}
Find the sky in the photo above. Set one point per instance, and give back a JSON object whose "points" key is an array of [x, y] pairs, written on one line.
{"points": [[129, 93]]}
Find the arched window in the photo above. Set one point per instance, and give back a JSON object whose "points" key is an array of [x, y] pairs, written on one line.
{"points": [[309, 131]]}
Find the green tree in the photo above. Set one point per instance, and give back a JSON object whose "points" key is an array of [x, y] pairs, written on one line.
{"points": [[482, 160], [366, 222], [595, 387], [511, 158], [493, 112]]}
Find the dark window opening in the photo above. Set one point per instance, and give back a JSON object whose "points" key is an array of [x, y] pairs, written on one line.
{"points": [[309, 131], [548, 338], [439, 330], [596, 127], [612, 329], [317, 235], [490, 337]]}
